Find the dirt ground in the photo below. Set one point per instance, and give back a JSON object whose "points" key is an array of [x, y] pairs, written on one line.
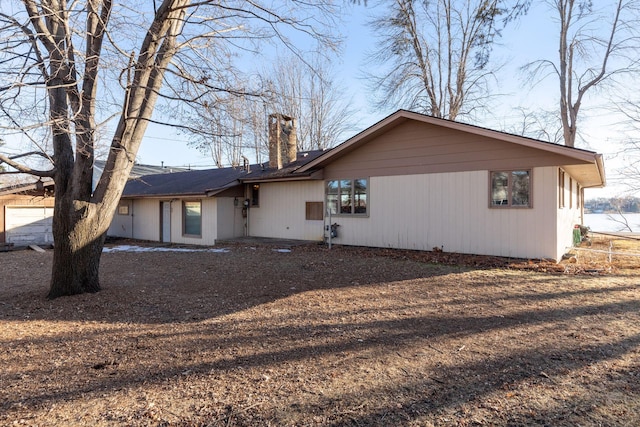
{"points": [[255, 336]]}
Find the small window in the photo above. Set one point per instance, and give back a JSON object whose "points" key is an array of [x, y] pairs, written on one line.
{"points": [[123, 209], [313, 211], [511, 189], [192, 218], [561, 189], [570, 193], [348, 196], [255, 195]]}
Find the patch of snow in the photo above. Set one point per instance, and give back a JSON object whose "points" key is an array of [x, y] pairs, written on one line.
{"points": [[282, 250], [133, 248]]}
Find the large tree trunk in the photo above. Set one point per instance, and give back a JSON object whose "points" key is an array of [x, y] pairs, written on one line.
{"points": [[82, 216], [79, 236], [76, 262], [62, 282]]}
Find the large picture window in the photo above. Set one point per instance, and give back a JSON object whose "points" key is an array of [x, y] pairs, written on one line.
{"points": [[511, 189], [348, 196], [192, 218]]}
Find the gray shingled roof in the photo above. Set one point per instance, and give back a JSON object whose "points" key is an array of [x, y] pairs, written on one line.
{"points": [[190, 183], [137, 170], [204, 182]]}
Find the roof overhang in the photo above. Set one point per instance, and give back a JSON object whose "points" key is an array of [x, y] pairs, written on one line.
{"points": [[215, 191], [586, 166], [311, 175], [590, 175], [164, 196], [21, 188]]}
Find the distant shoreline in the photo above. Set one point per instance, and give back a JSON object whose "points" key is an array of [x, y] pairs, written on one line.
{"points": [[612, 222]]}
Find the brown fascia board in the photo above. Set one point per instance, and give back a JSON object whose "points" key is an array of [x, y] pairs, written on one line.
{"points": [[19, 188], [16, 190], [163, 196], [214, 191], [401, 116], [207, 193], [295, 176], [601, 170]]}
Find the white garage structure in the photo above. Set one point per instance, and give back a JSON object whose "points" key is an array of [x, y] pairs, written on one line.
{"points": [[26, 214], [28, 225]]}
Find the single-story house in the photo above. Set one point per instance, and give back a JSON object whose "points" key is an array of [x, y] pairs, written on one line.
{"points": [[26, 209], [26, 213], [410, 181]]}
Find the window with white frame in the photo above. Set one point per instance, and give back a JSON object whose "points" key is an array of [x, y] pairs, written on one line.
{"points": [[123, 208], [348, 196], [510, 189], [192, 218]]}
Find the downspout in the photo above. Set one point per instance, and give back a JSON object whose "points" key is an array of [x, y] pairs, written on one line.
{"points": [[248, 217], [245, 205], [329, 228], [580, 195]]}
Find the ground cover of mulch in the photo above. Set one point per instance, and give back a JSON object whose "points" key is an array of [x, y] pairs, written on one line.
{"points": [[305, 336]]}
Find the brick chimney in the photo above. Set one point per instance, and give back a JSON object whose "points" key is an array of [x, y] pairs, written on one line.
{"points": [[283, 145]]}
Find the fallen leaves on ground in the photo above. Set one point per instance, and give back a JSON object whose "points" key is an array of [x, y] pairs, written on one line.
{"points": [[346, 337]]}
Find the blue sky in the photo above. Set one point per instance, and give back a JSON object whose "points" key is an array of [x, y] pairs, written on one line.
{"points": [[533, 37], [165, 145], [530, 39]]}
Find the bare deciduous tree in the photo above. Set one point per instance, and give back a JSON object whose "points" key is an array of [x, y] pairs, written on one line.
{"points": [[629, 172], [595, 45], [235, 124], [436, 53], [309, 92], [542, 125], [60, 60]]}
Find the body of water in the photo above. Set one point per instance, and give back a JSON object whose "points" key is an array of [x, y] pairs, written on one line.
{"points": [[612, 222]]}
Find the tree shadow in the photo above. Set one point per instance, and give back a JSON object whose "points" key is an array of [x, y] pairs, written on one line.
{"points": [[462, 382], [471, 383], [151, 287], [219, 324]]}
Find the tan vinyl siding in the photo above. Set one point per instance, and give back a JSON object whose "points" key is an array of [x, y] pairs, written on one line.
{"points": [[282, 211], [122, 225], [146, 219], [230, 221], [145, 222], [569, 215], [450, 211], [415, 148], [209, 222]]}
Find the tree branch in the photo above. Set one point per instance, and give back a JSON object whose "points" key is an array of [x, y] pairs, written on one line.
{"points": [[26, 169]]}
